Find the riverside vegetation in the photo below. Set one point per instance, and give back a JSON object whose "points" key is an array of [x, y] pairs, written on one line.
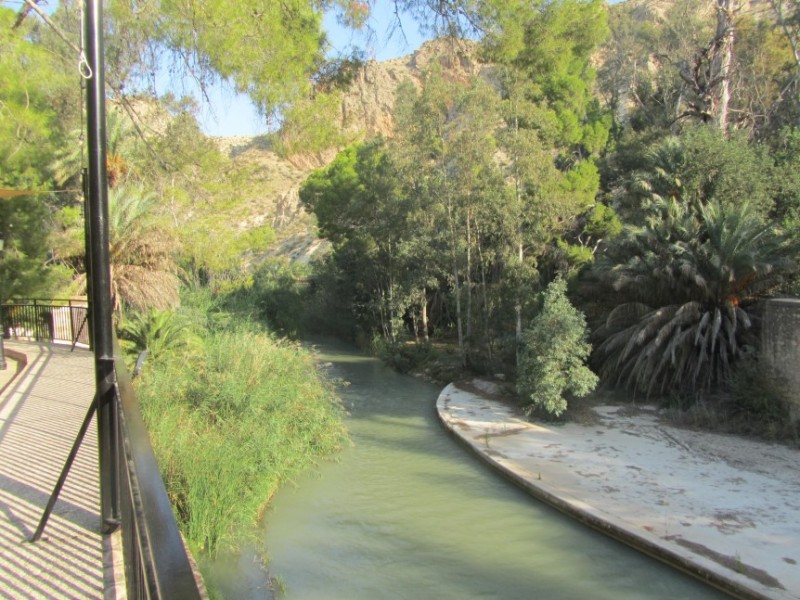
{"points": [[553, 186], [232, 413]]}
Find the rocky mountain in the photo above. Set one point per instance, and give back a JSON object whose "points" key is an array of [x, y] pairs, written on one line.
{"points": [[369, 102], [366, 111]]}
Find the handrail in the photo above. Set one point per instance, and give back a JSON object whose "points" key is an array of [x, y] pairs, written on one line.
{"points": [[157, 564], [58, 301], [156, 561], [46, 320]]}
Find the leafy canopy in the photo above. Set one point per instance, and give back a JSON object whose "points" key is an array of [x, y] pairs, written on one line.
{"points": [[265, 49]]}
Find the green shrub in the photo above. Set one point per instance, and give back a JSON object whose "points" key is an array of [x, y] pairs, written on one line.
{"points": [[157, 332], [245, 415], [400, 356], [552, 357], [279, 291]]}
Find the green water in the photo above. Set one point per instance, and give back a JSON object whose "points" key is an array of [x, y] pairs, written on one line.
{"points": [[407, 512]]}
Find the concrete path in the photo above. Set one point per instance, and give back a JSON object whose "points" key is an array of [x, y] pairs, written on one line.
{"points": [[41, 411], [723, 508]]}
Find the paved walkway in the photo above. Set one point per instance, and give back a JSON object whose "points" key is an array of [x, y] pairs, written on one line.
{"points": [[41, 411], [723, 508]]}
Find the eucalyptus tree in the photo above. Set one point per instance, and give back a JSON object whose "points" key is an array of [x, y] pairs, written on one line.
{"points": [[536, 189], [358, 208], [554, 127], [423, 145], [446, 152]]}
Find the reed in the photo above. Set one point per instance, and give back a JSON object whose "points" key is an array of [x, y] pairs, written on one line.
{"points": [[232, 421]]}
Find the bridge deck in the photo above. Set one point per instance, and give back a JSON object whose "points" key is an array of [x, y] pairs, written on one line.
{"points": [[41, 411]]}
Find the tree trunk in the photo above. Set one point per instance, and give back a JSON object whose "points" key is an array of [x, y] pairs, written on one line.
{"points": [[723, 60], [468, 278], [790, 25], [520, 247], [518, 306], [424, 313], [456, 280], [485, 299], [390, 310]]}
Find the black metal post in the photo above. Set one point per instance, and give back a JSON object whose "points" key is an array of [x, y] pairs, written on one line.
{"points": [[3, 364], [100, 299], [76, 445]]}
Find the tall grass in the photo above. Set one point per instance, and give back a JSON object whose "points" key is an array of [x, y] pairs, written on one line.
{"points": [[229, 423]]}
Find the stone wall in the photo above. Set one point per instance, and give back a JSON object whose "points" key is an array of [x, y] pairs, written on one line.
{"points": [[780, 346]]}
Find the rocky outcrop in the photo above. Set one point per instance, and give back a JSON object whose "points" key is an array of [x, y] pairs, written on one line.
{"points": [[271, 194], [369, 103]]}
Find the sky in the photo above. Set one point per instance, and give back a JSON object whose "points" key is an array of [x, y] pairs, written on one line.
{"points": [[234, 115], [231, 114]]}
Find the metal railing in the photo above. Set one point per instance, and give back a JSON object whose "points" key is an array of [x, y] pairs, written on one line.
{"points": [[47, 320], [157, 564]]}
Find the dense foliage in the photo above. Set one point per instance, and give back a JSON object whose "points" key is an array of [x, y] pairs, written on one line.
{"points": [[445, 225], [645, 153], [684, 285], [231, 417], [662, 186]]}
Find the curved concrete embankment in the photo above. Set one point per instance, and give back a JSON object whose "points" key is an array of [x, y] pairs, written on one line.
{"points": [[673, 494]]}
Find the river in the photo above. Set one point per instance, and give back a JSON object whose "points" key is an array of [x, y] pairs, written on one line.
{"points": [[407, 512]]}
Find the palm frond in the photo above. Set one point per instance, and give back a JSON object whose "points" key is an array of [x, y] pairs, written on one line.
{"points": [[686, 279]]}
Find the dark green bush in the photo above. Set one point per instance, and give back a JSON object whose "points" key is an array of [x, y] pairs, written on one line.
{"points": [[400, 356]]}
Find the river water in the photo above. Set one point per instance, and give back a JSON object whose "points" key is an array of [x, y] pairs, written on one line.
{"points": [[407, 512]]}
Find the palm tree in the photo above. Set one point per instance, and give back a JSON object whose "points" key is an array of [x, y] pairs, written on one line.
{"points": [[121, 141], [658, 179], [157, 332], [144, 274], [688, 282]]}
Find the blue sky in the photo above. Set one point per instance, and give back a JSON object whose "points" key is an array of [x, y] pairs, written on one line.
{"points": [[230, 114]]}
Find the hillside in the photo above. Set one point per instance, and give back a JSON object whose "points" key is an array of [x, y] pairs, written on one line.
{"points": [[366, 109], [270, 195]]}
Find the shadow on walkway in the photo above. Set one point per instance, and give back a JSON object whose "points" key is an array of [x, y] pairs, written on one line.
{"points": [[41, 412]]}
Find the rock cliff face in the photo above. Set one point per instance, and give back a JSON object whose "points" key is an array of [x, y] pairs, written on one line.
{"points": [[368, 105], [366, 112]]}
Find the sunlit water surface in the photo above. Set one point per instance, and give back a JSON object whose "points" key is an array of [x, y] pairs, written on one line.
{"points": [[407, 512]]}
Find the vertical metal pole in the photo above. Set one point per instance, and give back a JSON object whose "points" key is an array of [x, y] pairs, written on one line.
{"points": [[87, 235], [101, 306], [2, 321], [3, 365]]}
